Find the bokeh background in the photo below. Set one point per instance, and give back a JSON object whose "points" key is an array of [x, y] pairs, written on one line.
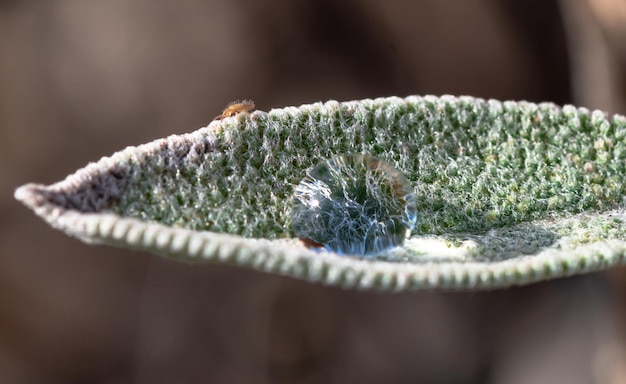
{"points": [[82, 79]]}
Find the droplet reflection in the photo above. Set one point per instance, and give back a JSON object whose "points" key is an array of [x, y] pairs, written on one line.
{"points": [[354, 204]]}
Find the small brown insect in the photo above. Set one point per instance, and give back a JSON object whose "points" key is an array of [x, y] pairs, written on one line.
{"points": [[310, 243], [236, 107]]}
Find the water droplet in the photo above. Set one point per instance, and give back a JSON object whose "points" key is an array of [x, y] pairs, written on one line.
{"points": [[354, 204]]}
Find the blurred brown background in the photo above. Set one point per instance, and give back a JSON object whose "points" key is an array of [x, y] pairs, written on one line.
{"points": [[82, 79]]}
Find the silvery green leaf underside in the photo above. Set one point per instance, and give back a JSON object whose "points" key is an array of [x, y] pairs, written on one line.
{"points": [[508, 193]]}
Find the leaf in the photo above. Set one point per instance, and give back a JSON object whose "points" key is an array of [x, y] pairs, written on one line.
{"points": [[508, 193]]}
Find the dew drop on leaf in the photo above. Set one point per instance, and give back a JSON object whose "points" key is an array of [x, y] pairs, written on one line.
{"points": [[355, 205]]}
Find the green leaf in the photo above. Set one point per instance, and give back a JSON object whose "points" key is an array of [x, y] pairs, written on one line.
{"points": [[508, 193]]}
